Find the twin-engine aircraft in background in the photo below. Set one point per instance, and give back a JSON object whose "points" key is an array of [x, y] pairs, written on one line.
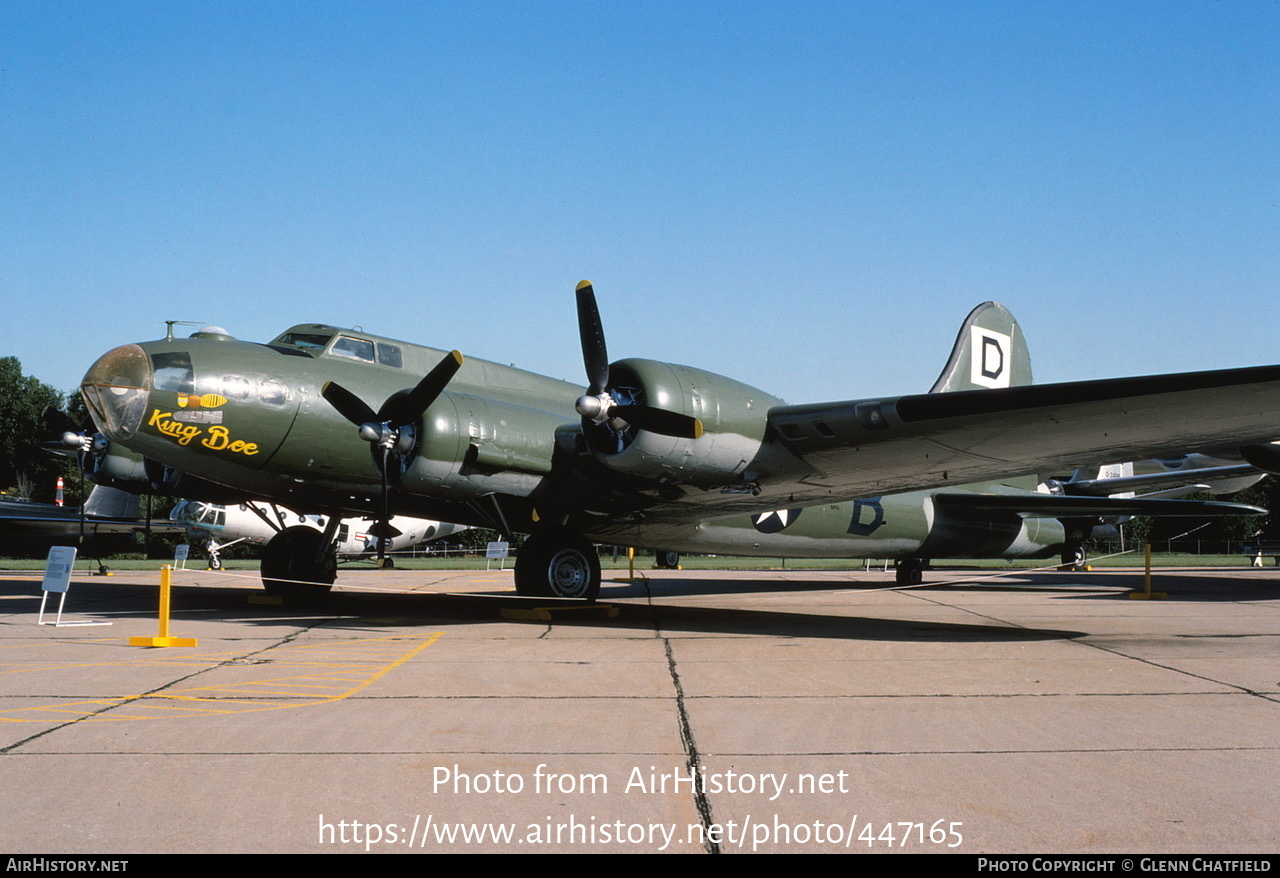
{"points": [[225, 525], [648, 451], [1011, 519]]}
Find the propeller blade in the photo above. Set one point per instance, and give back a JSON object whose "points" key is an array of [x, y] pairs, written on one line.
{"points": [[659, 421], [350, 406], [406, 409], [594, 354], [385, 517], [56, 422]]}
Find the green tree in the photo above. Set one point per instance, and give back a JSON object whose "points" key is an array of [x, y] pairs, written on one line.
{"points": [[26, 470]]}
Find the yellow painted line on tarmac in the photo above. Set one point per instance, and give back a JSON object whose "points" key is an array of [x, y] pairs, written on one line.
{"points": [[341, 670]]}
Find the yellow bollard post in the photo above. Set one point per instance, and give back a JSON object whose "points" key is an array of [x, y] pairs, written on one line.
{"points": [[1146, 594], [166, 583], [631, 563]]}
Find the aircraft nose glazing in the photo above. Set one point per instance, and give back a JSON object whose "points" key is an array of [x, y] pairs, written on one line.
{"points": [[116, 388]]}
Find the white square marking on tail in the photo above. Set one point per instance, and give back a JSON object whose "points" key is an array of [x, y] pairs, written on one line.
{"points": [[989, 364]]}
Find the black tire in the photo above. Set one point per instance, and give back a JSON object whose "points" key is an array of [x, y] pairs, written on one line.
{"points": [[909, 571], [667, 560], [1074, 557], [558, 563], [292, 563]]}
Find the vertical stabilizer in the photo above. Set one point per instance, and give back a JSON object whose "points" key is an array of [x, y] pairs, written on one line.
{"points": [[990, 352], [111, 503]]}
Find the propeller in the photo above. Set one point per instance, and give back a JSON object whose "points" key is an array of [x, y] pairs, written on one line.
{"points": [[597, 405], [390, 430], [86, 444]]}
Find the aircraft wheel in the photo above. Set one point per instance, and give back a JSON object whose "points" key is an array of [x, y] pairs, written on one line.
{"points": [[909, 571], [667, 560], [558, 563], [293, 562], [1074, 557]]}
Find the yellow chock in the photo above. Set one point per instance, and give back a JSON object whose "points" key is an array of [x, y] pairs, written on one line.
{"points": [[263, 599], [166, 582], [549, 614]]}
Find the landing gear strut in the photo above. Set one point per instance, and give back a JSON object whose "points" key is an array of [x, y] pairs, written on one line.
{"points": [[909, 571], [556, 562], [299, 560]]}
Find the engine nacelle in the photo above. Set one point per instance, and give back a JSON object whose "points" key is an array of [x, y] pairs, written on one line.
{"points": [[471, 445], [1264, 457], [734, 420]]}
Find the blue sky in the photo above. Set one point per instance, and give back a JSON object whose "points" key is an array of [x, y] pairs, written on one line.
{"points": [[807, 196]]}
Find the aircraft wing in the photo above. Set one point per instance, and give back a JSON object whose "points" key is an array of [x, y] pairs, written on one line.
{"points": [[1059, 506], [107, 511], [39, 523], [873, 446]]}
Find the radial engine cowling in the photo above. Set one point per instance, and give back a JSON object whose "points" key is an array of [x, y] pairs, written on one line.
{"points": [[734, 419]]}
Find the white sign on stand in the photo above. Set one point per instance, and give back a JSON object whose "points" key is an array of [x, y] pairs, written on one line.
{"points": [[497, 550], [180, 554], [57, 578]]}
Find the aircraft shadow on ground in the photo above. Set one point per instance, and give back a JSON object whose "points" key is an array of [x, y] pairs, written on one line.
{"points": [[111, 601]]}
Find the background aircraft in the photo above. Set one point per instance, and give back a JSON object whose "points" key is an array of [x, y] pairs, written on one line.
{"points": [[1016, 518], [107, 524], [226, 525], [650, 448]]}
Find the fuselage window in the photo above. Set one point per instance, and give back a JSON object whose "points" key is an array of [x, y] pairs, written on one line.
{"points": [[353, 348], [235, 387], [273, 392]]}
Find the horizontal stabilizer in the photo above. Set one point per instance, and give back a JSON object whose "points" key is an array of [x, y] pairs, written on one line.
{"points": [[1155, 481]]}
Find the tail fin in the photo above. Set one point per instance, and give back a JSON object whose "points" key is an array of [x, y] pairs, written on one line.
{"points": [[990, 352], [1098, 478], [111, 503]]}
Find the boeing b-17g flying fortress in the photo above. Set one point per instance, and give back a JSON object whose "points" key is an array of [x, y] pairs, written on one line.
{"points": [[333, 421]]}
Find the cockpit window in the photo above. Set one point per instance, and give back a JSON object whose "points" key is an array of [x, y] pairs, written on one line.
{"points": [[173, 372], [308, 341], [354, 348], [389, 355]]}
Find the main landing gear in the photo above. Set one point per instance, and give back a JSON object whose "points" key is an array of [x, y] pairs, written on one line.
{"points": [[556, 562], [299, 560], [909, 571], [1074, 556]]}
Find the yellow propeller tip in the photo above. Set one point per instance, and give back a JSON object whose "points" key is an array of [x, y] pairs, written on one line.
{"points": [[583, 284], [457, 356]]}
